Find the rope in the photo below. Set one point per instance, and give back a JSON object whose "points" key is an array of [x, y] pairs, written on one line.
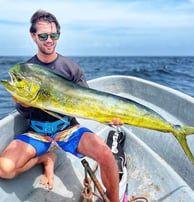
{"points": [[87, 192]]}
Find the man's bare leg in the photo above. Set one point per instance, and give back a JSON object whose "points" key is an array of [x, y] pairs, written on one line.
{"points": [[12, 163], [92, 146]]}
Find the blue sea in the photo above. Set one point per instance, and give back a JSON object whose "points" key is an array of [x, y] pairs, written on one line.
{"points": [[174, 72]]}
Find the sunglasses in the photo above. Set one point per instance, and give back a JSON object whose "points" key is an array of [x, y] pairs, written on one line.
{"points": [[44, 36]]}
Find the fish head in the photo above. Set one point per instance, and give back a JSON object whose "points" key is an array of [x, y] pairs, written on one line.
{"points": [[24, 89]]}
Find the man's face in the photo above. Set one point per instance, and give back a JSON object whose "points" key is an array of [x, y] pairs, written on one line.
{"points": [[47, 46]]}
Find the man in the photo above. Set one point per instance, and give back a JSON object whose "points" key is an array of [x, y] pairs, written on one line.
{"points": [[27, 149]]}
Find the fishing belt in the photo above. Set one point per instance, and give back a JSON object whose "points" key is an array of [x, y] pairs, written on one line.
{"points": [[50, 128]]}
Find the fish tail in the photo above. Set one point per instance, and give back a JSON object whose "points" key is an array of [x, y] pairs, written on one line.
{"points": [[180, 133]]}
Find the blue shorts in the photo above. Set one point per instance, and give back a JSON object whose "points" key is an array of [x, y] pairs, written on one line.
{"points": [[66, 140]]}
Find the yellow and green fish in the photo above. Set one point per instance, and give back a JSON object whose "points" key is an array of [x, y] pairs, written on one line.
{"points": [[42, 88]]}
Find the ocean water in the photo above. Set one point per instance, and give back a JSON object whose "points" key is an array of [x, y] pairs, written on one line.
{"points": [[174, 72]]}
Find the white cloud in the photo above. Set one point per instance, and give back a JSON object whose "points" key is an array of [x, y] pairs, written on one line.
{"points": [[101, 25]]}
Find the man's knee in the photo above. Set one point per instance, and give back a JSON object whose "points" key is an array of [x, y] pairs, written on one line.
{"points": [[7, 168], [105, 155]]}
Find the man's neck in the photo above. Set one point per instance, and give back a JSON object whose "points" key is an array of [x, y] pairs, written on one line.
{"points": [[47, 58]]}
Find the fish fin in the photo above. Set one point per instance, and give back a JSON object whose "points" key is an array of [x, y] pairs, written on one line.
{"points": [[180, 134], [184, 145]]}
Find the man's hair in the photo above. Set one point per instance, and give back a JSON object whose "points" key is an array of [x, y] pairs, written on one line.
{"points": [[43, 16]]}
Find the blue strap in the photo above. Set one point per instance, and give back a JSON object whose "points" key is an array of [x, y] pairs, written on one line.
{"points": [[49, 128]]}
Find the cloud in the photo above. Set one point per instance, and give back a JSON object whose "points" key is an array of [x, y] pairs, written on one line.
{"points": [[105, 27]]}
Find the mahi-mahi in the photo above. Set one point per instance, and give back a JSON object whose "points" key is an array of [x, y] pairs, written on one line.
{"points": [[42, 88]]}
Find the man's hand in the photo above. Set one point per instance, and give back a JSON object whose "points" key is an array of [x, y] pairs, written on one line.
{"points": [[16, 101], [116, 122]]}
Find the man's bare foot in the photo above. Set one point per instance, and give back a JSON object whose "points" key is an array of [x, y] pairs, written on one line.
{"points": [[47, 178]]}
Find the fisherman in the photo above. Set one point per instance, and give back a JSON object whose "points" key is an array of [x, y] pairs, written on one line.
{"points": [[32, 147]]}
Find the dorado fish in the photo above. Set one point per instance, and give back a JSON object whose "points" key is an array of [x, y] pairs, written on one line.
{"points": [[42, 88]]}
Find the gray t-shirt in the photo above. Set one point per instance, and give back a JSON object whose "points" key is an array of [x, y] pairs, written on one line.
{"points": [[66, 67]]}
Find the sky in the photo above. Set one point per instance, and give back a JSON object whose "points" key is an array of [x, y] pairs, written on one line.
{"points": [[103, 27]]}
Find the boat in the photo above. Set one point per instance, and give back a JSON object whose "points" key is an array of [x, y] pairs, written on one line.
{"points": [[157, 168]]}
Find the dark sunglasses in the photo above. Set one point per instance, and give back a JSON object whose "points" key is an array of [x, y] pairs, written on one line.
{"points": [[44, 36]]}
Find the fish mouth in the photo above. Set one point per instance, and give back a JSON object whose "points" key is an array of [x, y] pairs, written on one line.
{"points": [[11, 82], [16, 86]]}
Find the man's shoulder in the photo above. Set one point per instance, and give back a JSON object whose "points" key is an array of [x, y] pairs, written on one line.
{"points": [[67, 61], [58, 63], [64, 64]]}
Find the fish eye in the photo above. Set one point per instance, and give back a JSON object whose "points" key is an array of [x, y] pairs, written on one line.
{"points": [[19, 79]]}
